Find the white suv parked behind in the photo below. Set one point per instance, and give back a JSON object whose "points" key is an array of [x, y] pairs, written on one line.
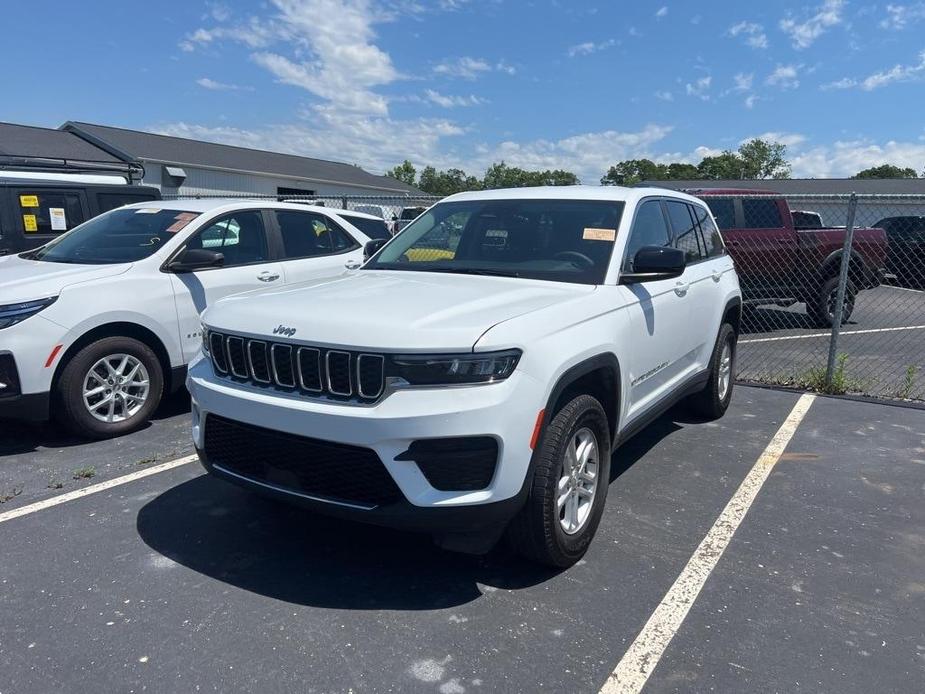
{"points": [[97, 324], [477, 372]]}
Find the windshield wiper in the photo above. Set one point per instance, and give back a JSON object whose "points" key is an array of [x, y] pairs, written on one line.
{"points": [[472, 271]]}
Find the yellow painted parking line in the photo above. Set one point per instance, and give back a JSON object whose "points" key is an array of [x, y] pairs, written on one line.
{"points": [[637, 664], [94, 488]]}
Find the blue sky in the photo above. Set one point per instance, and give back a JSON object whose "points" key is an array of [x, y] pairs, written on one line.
{"points": [[541, 84]]}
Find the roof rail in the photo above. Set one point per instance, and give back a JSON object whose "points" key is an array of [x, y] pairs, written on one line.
{"points": [[134, 171]]}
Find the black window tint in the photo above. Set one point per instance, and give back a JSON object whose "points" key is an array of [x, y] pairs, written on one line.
{"points": [[306, 234], [685, 231], [761, 214], [55, 213], [111, 201], [240, 237], [724, 211], [649, 229], [709, 234], [373, 228]]}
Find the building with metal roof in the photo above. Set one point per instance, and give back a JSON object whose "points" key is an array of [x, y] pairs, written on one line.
{"points": [[182, 166]]}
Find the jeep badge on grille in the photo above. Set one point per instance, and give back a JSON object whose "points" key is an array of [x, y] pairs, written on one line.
{"points": [[283, 330]]}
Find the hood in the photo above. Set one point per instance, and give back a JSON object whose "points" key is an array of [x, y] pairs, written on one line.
{"points": [[24, 280], [390, 311]]}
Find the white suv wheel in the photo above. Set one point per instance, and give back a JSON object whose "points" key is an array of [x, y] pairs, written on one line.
{"points": [[578, 482], [115, 388]]}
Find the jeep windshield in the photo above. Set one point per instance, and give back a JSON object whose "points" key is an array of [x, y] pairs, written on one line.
{"points": [[557, 240], [120, 236]]}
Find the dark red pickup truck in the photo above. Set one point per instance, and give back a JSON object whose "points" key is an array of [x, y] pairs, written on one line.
{"points": [[779, 263]]}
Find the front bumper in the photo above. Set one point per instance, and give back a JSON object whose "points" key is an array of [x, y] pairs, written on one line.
{"points": [[505, 411], [31, 345]]}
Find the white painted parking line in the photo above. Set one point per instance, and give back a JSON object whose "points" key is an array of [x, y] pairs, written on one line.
{"points": [[637, 664], [94, 488], [829, 334]]}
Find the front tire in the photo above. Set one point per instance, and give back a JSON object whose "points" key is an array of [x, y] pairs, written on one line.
{"points": [[713, 401], [109, 388], [569, 490]]}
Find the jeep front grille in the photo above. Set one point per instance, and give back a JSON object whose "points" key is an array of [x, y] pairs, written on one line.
{"points": [[311, 371]]}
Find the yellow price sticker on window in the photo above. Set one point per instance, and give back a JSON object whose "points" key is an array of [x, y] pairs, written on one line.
{"points": [[28, 200], [29, 222]]}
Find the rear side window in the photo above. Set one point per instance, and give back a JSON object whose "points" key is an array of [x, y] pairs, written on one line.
{"points": [[649, 229], [761, 214], [724, 211], [49, 212], [709, 234], [306, 235], [686, 236]]}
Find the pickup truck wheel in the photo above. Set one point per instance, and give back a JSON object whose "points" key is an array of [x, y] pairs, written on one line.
{"points": [[566, 500], [822, 308], [109, 388], [713, 401]]}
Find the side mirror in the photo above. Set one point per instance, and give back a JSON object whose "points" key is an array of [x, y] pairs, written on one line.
{"points": [[372, 247], [655, 263], [193, 259]]}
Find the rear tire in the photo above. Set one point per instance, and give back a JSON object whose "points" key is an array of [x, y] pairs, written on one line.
{"points": [[564, 507], [822, 308], [99, 367], [713, 401]]}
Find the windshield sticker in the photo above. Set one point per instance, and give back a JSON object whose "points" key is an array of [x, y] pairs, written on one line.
{"points": [[58, 218], [28, 200], [147, 210], [29, 222], [592, 234], [183, 219]]}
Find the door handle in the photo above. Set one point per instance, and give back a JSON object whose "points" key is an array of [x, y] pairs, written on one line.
{"points": [[717, 275], [681, 288], [268, 276], [352, 264]]}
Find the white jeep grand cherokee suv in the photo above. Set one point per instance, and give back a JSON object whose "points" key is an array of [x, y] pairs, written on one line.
{"points": [[98, 323], [475, 375]]}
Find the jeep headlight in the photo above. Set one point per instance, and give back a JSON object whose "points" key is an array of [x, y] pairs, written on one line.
{"points": [[11, 314], [451, 369]]}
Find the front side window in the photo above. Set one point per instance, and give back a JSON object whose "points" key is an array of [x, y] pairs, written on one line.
{"points": [[239, 236], [557, 240], [723, 210], [649, 229], [761, 214], [119, 236], [685, 231]]}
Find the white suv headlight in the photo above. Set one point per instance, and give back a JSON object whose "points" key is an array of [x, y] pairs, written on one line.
{"points": [[450, 369], [11, 314]]}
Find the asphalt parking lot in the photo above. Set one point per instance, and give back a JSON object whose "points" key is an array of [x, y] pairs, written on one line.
{"points": [[180, 582], [882, 339]]}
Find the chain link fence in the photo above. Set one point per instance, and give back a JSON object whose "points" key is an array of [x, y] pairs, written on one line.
{"points": [[834, 286]]}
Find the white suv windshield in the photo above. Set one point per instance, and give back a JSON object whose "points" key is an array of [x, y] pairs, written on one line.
{"points": [[121, 236], [559, 240]]}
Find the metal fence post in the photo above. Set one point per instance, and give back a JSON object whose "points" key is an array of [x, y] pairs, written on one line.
{"points": [[842, 286]]}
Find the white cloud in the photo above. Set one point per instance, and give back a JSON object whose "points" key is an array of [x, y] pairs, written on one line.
{"points": [[447, 101], [743, 81], [843, 159], [662, 12], [751, 100], [751, 32], [700, 88], [897, 73], [784, 77], [216, 86], [664, 96], [589, 47], [470, 68], [791, 140], [899, 17], [804, 31]]}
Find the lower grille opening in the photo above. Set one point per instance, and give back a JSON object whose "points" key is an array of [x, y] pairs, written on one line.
{"points": [[334, 471], [455, 464], [9, 377]]}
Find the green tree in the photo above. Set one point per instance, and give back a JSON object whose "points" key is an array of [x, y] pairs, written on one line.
{"points": [[632, 171], [404, 172], [886, 171], [446, 182], [763, 159], [682, 172], [503, 176], [725, 165]]}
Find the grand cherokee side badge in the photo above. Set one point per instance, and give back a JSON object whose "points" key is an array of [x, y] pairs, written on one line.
{"points": [[283, 330]]}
